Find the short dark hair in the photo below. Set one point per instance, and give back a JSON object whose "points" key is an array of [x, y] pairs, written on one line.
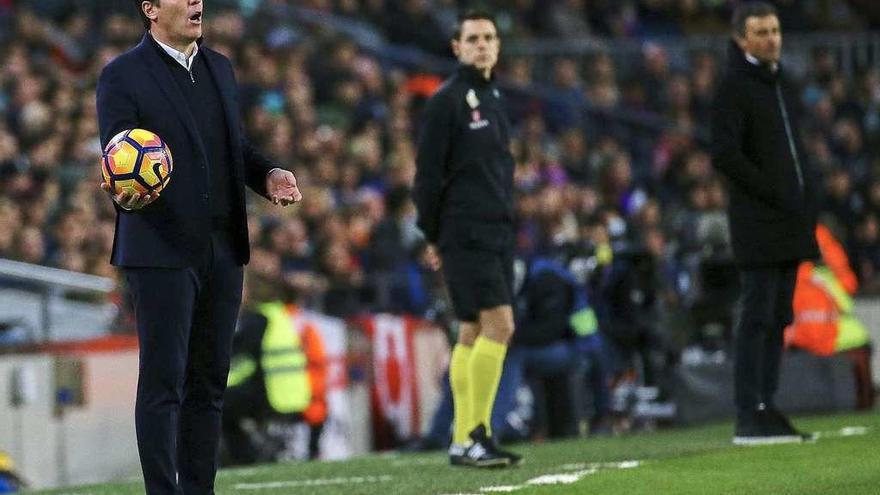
{"points": [[144, 19], [473, 15], [749, 9]]}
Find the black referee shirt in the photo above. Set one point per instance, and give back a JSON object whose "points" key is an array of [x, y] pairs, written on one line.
{"points": [[464, 166]]}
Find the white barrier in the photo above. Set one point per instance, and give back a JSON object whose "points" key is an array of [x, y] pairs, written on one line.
{"points": [[54, 446], [868, 311]]}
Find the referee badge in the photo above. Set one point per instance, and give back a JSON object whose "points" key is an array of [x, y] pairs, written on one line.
{"points": [[471, 99]]}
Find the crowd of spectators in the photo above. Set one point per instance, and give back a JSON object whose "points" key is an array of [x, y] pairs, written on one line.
{"points": [[345, 121]]}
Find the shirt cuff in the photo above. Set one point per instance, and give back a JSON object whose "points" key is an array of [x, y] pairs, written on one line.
{"points": [[272, 170]]}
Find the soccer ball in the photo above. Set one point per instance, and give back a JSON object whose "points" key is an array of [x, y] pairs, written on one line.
{"points": [[136, 160]]}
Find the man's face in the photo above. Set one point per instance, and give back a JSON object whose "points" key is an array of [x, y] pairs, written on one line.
{"points": [[763, 38], [178, 20], [478, 45]]}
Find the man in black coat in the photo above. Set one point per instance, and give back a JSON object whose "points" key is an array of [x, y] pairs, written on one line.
{"points": [[182, 252], [772, 216]]}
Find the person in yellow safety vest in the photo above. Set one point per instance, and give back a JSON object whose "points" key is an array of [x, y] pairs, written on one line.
{"points": [[823, 321], [267, 377]]}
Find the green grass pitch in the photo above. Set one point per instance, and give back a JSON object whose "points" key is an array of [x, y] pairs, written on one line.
{"points": [[698, 461]]}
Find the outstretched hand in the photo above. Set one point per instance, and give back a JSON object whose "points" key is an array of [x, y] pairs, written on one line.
{"points": [[281, 187], [129, 200]]}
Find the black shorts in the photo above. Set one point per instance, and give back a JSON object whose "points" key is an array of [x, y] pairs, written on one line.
{"points": [[478, 269]]}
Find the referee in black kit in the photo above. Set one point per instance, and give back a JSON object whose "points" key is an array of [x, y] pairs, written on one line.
{"points": [[464, 196]]}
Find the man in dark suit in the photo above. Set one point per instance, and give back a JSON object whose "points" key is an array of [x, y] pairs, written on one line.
{"points": [[182, 251], [772, 214]]}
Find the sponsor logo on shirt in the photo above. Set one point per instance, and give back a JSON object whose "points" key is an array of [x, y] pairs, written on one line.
{"points": [[476, 121]]}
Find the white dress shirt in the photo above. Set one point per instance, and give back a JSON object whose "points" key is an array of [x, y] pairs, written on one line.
{"points": [[179, 56], [754, 61]]}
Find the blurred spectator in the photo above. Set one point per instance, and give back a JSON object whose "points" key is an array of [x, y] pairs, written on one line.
{"points": [[392, 258], [568, 19], [31, 245], [655, 72], [574, 157], [345, 281], [633, 312], [841, 204], [565, 109], [847, 138], [866, 253], [557, 339], [411, 23]]}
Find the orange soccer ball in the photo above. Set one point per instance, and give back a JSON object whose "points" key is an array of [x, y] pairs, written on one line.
{"points": [[136, 160]]}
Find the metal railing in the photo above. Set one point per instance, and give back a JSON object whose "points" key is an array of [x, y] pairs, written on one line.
{"points": [[51, 284]]}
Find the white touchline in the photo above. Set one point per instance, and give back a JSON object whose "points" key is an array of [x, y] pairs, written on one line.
{"points": [[600, 465], [237, 473], [578, 471], [849, 431], [501, 489], [846, 431], [353, 480], [561, 478]]}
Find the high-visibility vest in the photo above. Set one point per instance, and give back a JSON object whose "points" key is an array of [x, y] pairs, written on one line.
{"points": [[283, 362], [823, 320]]}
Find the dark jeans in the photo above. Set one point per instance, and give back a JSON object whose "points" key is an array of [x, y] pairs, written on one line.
{"points": [[185, 321], [765, 310]]}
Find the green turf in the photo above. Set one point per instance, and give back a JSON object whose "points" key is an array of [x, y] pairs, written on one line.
{"points": [[681, 461]]}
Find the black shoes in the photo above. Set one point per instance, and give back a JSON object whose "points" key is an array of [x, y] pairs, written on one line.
{"points": [[457, 455], [482, 453], [766, 426], [783, 425]]}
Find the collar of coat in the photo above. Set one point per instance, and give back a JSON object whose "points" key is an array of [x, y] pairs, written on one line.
{"points": [[736, 60], [474, 76]]}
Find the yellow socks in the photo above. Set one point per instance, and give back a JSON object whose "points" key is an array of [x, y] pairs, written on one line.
{"points": [[484, 372], [459, 380]]}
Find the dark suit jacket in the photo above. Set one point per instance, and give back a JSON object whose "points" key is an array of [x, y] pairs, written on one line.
{"points": [[137, 90]]}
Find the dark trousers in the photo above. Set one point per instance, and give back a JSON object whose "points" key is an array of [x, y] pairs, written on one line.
{"points": [[185, 321], [765, 310]]}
